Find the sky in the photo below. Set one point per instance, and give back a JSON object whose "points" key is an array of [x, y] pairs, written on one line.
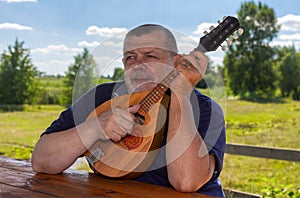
{"points": [[57, 30]]}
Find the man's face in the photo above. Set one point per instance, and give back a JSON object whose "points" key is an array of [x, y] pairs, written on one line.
{"points": [[146, 61]]}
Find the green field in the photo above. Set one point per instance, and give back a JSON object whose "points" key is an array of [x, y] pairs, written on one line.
{"points": [[20, 130], [272, 124]]}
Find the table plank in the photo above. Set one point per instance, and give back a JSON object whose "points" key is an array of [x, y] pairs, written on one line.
{"points": [[83, 185], [60, 185], [15, 164], [9, 191], [72, 183]]}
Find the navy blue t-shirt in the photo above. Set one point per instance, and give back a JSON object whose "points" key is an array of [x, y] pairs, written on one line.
{"points": [[208, 117]]}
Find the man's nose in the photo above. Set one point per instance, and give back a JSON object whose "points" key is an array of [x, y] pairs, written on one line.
{"points": [[140, 63]]}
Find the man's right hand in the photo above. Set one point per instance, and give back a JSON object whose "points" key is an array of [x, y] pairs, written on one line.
{"points": [[118, 123]]}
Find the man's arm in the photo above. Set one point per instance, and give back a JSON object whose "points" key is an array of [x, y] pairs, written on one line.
{"points": [[57, 151], [188, 163]]}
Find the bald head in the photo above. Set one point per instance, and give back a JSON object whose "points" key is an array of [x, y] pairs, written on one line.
{"points": [[150, 35]]}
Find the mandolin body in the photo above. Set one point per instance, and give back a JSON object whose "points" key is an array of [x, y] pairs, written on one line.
{"points": [[133, 155]]}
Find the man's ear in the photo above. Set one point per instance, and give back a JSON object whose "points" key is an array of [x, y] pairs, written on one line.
{"points": [[176, 59]]}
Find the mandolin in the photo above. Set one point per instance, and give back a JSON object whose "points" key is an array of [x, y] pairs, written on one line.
{"points": [[134, 154]]}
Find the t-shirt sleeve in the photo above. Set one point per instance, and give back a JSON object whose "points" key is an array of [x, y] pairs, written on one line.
{"points": [[63, 122], [211, 127], [218, 151], [79, 111]]}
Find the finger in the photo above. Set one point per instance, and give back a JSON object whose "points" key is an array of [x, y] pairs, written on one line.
{"points": [[116, 133], [137, 132], [120, 132], [124, 124], [188, 64], [105, 135], [200, 58], [193, 72], [134, 108], [123, 115], [127, 118], [115, 137], [104, 122], [198, 54]]}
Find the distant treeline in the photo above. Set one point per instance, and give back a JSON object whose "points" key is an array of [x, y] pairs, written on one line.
{"points": [[253, 69]]}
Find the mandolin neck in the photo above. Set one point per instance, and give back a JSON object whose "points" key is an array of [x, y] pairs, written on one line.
{"points": [[209, 42], [156, 94]]}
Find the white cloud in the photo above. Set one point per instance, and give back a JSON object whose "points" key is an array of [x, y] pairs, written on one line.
{"points": [[217, 60], [289, 22], [109, 43], [113, 44], [18, 1], [51, 49], [14, 26], [290, 37], [286, 43], [106, 65], [204, 27], [53, 60], [105, 31], [289, 32], [53, 67], [185, 43], [88, 44]]}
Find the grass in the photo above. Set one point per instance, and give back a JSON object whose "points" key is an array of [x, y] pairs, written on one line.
{"points": [[254, 175], [273, 124], [19, 130], [270, 124], [51, 82]]}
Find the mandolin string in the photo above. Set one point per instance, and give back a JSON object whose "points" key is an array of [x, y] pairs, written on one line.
{"points": [[156, 93]]}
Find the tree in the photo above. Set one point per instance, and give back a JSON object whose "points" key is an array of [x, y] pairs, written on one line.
{"points": [[211, 77], [249, 62], [289, 67], [17, 75], [118, 74], [80, 77]]}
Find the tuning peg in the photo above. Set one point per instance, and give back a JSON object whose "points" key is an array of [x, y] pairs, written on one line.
{"points": [[234, 36], [211, 27], [223, 47], [229, 42], [219, 21], [240, 31], [205, 32]]}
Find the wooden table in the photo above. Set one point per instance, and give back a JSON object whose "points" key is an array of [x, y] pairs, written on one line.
{"points": [[17, 179]]}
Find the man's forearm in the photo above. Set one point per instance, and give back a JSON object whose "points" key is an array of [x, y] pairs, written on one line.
{"points": [[189, 165], [55, 152]]}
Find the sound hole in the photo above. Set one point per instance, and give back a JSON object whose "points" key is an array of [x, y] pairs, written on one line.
{"points": [[131, 141]]}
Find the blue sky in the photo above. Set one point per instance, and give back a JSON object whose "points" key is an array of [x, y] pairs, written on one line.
{"points": [[57, 30]]}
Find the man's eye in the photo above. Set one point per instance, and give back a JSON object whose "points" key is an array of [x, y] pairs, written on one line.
{"points": [[129, 58], [152, 56]]}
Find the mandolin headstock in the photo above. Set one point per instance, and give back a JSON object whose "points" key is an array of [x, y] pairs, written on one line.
{"points": [[217, 35]]}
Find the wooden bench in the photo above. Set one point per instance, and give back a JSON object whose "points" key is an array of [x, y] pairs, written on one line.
{"points": [[17, 179]]}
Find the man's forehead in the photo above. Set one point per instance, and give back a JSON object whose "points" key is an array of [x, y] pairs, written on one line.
{"points": [[151, 40]]}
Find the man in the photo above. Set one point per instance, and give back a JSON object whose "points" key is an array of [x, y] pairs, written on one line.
{"points": [[194, 140]]}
